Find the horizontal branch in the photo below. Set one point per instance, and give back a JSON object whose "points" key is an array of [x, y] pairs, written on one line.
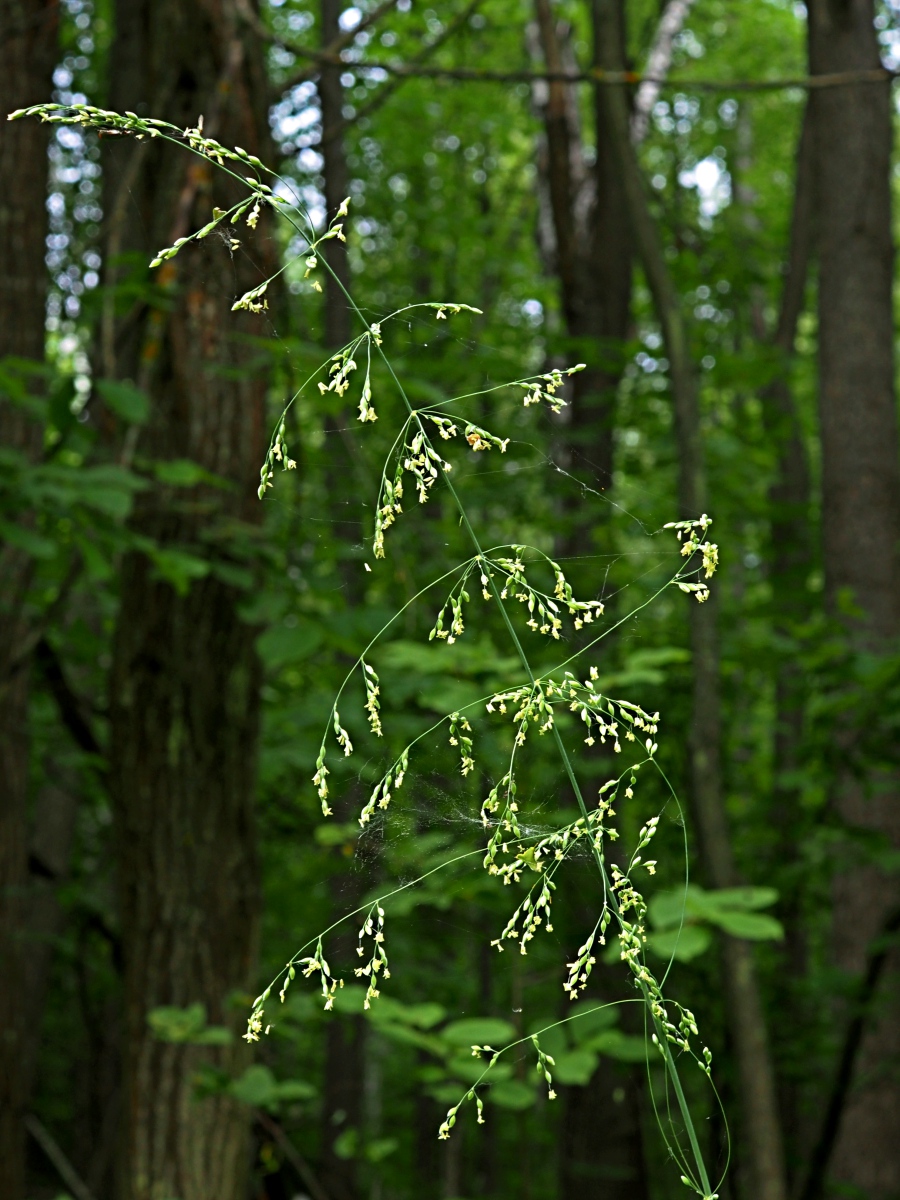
{"points": [[333, 53], [596, 75], [387, 90]]}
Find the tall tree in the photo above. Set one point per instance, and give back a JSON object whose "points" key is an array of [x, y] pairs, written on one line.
{"points": [[590, 247], [345, 1037], [27, 57], [860, 515], [184, 686], [790, 492], [745, 1007], [790, 563]]}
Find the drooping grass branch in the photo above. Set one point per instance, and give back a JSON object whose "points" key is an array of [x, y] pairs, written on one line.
{"points": [[508, 578]]}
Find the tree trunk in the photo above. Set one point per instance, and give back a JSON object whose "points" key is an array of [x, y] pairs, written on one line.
{"points": [[50, 855], [790, 492], [601, 1144], [745, 1010], [860, 516], [338, 321], [184, 686], [790, 560], [345, 1036], [27, 57], [591, 255]]}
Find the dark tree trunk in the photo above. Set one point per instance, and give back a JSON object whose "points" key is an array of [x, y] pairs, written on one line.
{"points": [[342, 1100], [338, 321], [790, 491], [860, 516], [345, 1038], [790, 562], [745, 1009], [27, 57], [50, 855], [860, 474], [591, 254], [184, 688], [601, 1147]]}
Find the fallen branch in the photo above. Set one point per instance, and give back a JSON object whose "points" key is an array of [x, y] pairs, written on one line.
{"points": [[54, 1152], [292, 1154]]}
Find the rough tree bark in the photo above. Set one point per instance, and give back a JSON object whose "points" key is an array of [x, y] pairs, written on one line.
{"points": [[27, 58], [184, 685], [860, 519], [590, 250], [745, 1010]]}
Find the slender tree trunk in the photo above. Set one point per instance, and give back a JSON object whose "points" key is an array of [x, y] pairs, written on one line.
{"points": [[601, 1143], [50, 855], [790, 492], [658, 62], [591, 255], [860, 519], [184, 686], [345, 1036], [592, 259], [338, 321], [790, 561], [745, 1010], [27, 57]]}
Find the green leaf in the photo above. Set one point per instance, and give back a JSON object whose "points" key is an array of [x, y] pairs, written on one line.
{"points": [[256, 1086], [745, 899], [336, 833], [406, 1036], [423, 1016], [350, 999], [125, 400], [449, 695], [236, 577], [446, 1093], [512, 1093], [691, 942], [213, 1035], [62, 395], [757, 927], [186, 1025], [107, 490], [470, 1069], [666, 909], [283, 644], [590, 1017], [346, 1144], [380, 1148], [96, 564], [179, 568], [575, 1067], [259, 1088], [182, 472], [616, 1044], [479, 1031], [296, 1089], [27, 541], [553, 1040]]}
